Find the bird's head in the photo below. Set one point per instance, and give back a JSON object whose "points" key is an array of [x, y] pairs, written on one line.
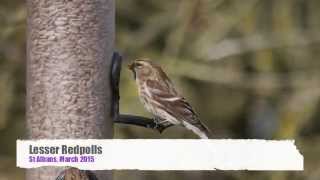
{"points": [[143, 68]]}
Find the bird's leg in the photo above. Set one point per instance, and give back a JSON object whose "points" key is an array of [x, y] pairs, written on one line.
{"points": [[157, 121], [161, 124]]}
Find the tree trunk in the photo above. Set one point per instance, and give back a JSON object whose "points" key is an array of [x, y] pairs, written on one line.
{"points": [[69, 49]]}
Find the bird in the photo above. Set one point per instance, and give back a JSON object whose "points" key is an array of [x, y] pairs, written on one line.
{"points": [[76, 174], [159, 97]]}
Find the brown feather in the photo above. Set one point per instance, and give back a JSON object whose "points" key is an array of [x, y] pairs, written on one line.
{"points": [[158, 95]]}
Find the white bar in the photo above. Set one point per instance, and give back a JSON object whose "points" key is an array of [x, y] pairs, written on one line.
{"points": [[173, 154]]}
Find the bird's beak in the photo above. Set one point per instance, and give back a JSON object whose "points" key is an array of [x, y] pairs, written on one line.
{"points": [[131, 66]]}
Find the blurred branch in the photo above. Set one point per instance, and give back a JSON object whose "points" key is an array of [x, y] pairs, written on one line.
{"points": [[220, 21], [256, 42], [183, 20], [296, 109], [234, 78]]}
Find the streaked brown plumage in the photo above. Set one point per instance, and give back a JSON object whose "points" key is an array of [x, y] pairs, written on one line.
{"points": [[159, 97], [76, 174]]}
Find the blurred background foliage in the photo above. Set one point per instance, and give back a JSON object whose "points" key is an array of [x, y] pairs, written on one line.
{"points": [[250, 69]]}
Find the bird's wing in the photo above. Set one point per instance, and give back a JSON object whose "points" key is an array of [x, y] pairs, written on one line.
{"points": [[168, 100], [175, 105]]}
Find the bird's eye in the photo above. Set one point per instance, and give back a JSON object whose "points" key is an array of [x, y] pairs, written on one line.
{"points": [[138, 65]]}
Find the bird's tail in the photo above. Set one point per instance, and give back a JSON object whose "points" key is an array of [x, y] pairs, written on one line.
{"points": [[199, 129], [205, 131]]}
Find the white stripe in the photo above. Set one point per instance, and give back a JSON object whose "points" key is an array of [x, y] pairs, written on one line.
{"points": [[171, 98], [194, 129], [170, 154], [147, 89]]}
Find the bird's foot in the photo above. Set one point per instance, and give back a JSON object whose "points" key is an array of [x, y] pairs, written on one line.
{"points": [[161, 124]]}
